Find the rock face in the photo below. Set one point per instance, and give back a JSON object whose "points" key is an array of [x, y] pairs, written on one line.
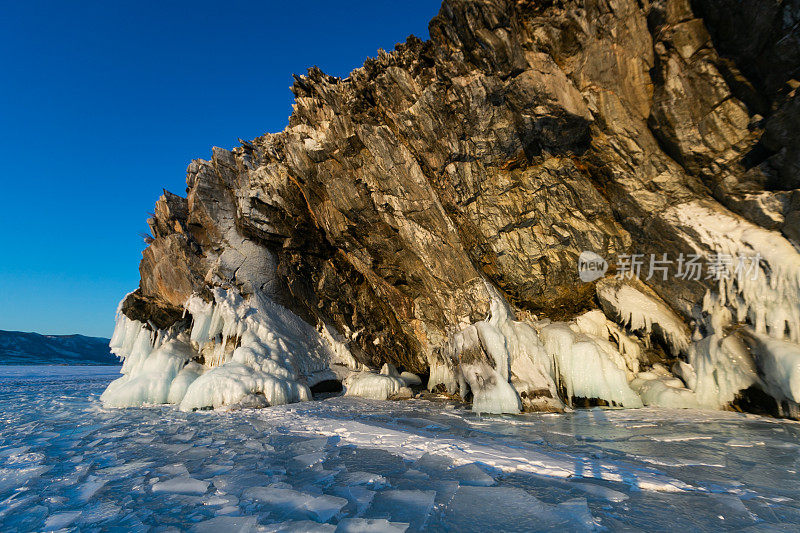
{"points": [[489, 157]]}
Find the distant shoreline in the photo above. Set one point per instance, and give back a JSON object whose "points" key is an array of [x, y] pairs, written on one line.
{"points": [[4, 364]]}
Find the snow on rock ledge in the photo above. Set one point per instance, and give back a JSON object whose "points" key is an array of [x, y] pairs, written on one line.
{"points": [[237, 352]]}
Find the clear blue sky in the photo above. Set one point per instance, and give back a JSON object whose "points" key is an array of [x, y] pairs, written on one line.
{"points": [[104, 103]]}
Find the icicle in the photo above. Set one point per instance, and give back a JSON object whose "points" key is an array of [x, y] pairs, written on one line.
{"points": [[585, 364], [642, 313], [248, 347], [763, 281]]}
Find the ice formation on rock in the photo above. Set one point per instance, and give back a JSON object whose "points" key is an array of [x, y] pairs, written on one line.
{"points": [[661, 388], [589, 366], [745, 336], [372, 385], [764, 287], [779, 364], [240, 351], [641, 312], [749, 330], [236, 352], [509, 365]]}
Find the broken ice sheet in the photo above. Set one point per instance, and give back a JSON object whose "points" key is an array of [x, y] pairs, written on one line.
{"points": [[382, 468]]}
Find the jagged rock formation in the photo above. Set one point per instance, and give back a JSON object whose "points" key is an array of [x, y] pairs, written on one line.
{"points": [[488, 158]]}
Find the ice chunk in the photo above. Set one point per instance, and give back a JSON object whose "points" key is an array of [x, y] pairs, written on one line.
{"points": [[512, 509], [371, 385], [433, 463], [367, 525], [287, 502], [220, 499], [325, 507], [181, 485], [375, 481], [298, 526], [359, 497], [307, 460], [412, 380], [13, 478], [599, 491], [61, 520], [237, 482], [229, 524], [415, 475], [663, 391], [98, 512], [90, 487], [232, 382], [280, 498], [471, 474], [412, 506]]}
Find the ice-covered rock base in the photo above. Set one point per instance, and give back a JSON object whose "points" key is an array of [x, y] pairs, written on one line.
{"points": [[236, 352], [508, 365], [636, 351], [639, 351]]}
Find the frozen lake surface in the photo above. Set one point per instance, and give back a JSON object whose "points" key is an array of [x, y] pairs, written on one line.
{"points": [[347, 464]]}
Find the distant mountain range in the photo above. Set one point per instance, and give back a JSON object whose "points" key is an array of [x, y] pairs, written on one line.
{"points": [[20, 348]]}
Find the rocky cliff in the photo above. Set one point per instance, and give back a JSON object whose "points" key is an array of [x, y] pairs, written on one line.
{"points": [[403, 202]]}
